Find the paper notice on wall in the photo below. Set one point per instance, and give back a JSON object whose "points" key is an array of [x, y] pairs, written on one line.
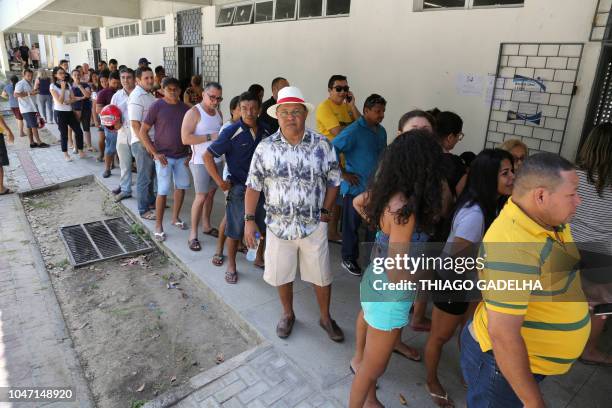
{"points": [[469, 84], [490, 89]]}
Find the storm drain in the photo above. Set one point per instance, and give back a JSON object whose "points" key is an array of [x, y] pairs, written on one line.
{"points": [[102, 240]]}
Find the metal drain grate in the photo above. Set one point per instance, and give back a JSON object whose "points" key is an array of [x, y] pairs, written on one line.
{"points": [[101, 240]]}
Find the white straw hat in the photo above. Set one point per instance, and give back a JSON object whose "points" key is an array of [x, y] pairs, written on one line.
{"points": [[289, 94]]}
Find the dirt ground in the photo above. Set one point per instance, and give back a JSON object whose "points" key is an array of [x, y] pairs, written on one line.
{"points": [[134, 336]]}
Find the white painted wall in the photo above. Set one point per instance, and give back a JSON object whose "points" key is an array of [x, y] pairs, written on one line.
{"points": [[14, 11], [411, 58], [77, 52]]}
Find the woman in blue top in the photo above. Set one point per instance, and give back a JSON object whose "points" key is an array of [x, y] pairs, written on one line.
{"points": [[405, 195], [45, 100], [9, 93]]}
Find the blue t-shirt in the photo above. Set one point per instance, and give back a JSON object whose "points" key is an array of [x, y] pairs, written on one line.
{"points": [[238, 145], [10, 89], [361, 147], [84, 104]]}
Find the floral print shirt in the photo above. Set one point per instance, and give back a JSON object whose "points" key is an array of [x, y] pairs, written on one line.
{"points": [[294, 180]]}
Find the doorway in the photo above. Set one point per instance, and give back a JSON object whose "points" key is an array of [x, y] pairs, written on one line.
{"points": [[189, 64]]}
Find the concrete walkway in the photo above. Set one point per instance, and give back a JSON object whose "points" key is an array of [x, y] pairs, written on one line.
{"points": [[312, 360]]}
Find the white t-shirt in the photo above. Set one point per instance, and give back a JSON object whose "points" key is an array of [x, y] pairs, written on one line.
{"points": [[120, 99], [62, 106], [468, 223], [139, 103], [207, 125], [26, 103]]}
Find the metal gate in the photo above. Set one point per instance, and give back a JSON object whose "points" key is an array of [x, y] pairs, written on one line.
{"points": [[189, 27], [170, 61], [91, 59], [210, 62], [95, 38], [534, 87]]}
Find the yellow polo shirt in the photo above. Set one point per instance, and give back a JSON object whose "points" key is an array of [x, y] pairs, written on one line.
{"points": [[329, 115], [557, 322]]}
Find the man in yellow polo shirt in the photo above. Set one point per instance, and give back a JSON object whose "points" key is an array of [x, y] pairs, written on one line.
{"points": [[333, 115], [518, 337]]}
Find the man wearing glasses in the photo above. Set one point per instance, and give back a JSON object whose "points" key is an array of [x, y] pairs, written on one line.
{"points": [[200, 128], [297, 171], [333, 115]]}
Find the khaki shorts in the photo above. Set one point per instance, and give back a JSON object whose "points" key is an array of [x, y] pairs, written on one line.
{"points": [[312, 253]]}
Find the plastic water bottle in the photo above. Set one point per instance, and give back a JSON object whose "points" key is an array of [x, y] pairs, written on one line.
{"points": [[252, 252]]}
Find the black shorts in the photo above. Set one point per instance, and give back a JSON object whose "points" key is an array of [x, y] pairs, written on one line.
{"points": [[4, 161], [86, 119], [454, 308]]}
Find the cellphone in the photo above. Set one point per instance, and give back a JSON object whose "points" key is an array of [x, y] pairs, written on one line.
{"points": [[349, 99], [603, 309]]}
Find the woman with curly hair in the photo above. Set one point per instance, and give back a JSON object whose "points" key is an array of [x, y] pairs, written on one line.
{"points": [[405, 196]]}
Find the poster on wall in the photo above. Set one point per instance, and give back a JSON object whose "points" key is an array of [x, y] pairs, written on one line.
{"points": [[532, 96]]}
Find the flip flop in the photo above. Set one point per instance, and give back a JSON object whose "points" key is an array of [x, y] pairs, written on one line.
{"points": [[180, 225], [335, 241], [260, 266], [160, 236], [213, 232], [448, 402], [194, 245], [595, 363], [7, 191], [406, 356], [149, 215], [231, 278], [243, 249], [218, 259]]}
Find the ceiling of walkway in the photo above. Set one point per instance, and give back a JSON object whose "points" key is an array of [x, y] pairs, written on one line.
{"points": [[62, 16]]}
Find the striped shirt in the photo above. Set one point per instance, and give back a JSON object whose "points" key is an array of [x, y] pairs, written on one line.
{"points": [[592, 223], [556, 322]]}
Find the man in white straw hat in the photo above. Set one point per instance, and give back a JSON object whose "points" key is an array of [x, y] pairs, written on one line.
{"points": [[298, 172]]}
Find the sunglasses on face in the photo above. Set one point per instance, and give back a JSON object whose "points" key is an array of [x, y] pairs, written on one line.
{"points": [[341, 88], [215, 98]]}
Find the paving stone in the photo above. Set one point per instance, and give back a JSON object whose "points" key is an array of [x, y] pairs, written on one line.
{"points": [[256, 404], [275, 393], [230, 378], [232, 403], [253, 392], [248, 375], [209, 390], [209, 402], [229, 391]]}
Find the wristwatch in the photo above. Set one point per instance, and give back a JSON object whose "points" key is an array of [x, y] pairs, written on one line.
{"points": [[249, 217], [324, 211], [208, 137]]}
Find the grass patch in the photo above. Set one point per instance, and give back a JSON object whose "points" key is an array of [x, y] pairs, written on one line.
{"points": [[137, 404]]}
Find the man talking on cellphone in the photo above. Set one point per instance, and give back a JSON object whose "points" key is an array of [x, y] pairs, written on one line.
{"points": [[333, 115]]}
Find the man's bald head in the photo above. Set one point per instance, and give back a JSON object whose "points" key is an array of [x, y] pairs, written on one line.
{"points": [[542, 170]]}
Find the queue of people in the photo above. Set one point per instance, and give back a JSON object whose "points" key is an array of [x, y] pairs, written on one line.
{"points": [[291, 191]]}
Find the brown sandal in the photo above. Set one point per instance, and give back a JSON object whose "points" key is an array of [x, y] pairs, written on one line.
{"points": [[218, 259], [231, 277], [194, 244]]}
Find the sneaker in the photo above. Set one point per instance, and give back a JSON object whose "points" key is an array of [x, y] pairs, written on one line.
{"points": [[122, 196], [116, 191], [106, 174], [352, 267]]}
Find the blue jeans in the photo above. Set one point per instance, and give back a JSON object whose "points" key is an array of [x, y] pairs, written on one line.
{"points": [[351, 220], [487, 386], [110, 142], [125, 163], [144, 178]]}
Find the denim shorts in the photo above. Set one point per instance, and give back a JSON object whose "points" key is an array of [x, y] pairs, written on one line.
{"points": [[175, 170], [487, 386], [110, 142], [30, 120], [202, 181], [234, 212]]}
